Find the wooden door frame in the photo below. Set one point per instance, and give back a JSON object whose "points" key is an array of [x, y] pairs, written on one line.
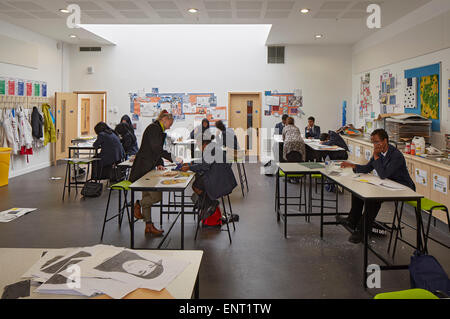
{"points": [[259, 94], [104, 110]]}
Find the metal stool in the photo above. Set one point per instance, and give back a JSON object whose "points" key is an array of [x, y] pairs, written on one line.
{"points": [[224, 213], [315, 178], [301, 196], [75, 162], [121, 187], [427, 206]]}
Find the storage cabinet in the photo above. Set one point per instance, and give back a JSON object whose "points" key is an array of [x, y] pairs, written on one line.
{"points": [[439, 180]]}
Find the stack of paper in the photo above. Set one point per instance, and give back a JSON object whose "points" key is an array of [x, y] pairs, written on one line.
{"points": [[384, 183], [103, 269]]}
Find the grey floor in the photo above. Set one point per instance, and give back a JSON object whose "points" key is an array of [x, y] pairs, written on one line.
{"points": [[260, 263]]}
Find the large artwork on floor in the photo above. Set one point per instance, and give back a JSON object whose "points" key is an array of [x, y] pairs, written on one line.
{"points": [[429, 96]]}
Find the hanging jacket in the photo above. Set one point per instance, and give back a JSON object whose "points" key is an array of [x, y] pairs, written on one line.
{"points": [[49, 127], [10, 131], [37, 123], [25, 135]]}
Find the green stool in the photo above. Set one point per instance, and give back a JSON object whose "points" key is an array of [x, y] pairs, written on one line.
{"points": [[428, 206], [124, 187], [302, 189], [75, 162], [407, 294]]}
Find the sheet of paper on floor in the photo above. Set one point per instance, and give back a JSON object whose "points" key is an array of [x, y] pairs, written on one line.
{"points": [[13, 213]]}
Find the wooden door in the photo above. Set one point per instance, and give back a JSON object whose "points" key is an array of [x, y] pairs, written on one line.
{"points": [[66, 119], [244, 113], [85, 116]]}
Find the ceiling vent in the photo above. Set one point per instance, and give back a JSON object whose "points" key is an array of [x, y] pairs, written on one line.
{"points": [[90, 49], [275, 55]]}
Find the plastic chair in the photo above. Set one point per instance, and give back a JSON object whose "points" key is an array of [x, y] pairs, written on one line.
{"points": [[407, 294]]}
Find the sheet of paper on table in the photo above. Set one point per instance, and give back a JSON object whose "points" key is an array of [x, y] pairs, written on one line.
{"points": [[384, 183]]}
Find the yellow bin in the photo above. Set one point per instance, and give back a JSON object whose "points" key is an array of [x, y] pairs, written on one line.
{"points": [[5, 155]]}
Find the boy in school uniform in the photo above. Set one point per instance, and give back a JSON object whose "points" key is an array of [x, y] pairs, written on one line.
{"points": [[389, 163], [312, 131]]}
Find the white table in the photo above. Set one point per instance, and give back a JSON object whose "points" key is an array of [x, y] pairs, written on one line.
{"points": [[368, 192], [14, 262], [151, 182]]}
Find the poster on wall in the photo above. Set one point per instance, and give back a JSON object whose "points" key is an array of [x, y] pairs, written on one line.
{"points": [[365, 96], [410, 101], [440, 183], [429, 96], [278, 104], [3, 86], [421, 177], [178, 104]]}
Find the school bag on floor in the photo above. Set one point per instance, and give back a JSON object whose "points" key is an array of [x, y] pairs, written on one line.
{"points": [[215, 219], [426, 273]]}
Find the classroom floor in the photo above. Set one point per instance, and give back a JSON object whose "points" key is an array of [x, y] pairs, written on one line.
{"points": [[260, 263]]}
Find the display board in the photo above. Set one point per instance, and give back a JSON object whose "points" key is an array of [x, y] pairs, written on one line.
{"points": [[278, 104]]}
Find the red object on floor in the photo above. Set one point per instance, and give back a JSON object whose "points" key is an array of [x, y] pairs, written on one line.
{"points": [[215, 219]]}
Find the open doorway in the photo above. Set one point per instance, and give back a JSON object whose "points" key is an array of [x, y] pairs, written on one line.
{"points": [[85, 109]]}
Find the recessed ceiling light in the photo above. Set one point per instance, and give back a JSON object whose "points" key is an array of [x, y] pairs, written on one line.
{"points": [[64, 10], [193, 10], [72, 36], [305, 10], [318, 36]]}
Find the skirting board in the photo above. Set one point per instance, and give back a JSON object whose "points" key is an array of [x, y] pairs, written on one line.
{"points": [[30, 169]]}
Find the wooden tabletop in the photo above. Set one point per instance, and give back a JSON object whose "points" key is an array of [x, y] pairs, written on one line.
{"points": [[14, 262], [152, 182]]}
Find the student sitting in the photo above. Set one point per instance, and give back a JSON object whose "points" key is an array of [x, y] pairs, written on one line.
{"points": [[389, 163], [226, 136], [127, 139], [294, 145], [214, 177], [111, 151], [280, 126], [312, 131]]}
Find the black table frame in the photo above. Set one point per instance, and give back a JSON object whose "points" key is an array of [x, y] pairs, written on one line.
{"points": [[387, 265], [181, 213]]}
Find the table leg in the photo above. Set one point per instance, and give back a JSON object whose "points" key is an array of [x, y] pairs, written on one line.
{"points": [[285, 205], [197, 287], [321, 205], [366, 244], [419, 225], [277, 192], [182, 220], [132, 221]]}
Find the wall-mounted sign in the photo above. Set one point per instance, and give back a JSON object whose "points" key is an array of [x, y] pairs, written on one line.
{"points": [[440, 183]]}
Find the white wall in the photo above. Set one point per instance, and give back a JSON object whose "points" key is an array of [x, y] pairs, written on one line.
{"points": [[418, 39], [49, 70], [216, 58]]}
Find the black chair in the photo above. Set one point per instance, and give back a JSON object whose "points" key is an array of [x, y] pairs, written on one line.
{"points": [[225, 214]]}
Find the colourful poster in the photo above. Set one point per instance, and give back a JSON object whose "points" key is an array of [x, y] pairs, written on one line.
{"points": [[11, 87], [20, 88], [2, 87], [37, 89], [29, 89], [429, 96], [44, 89]]}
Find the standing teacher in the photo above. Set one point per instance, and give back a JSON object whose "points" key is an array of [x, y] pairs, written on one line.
{"points": [[149, 157]]}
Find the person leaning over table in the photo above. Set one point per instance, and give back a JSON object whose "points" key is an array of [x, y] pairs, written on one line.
{"points": [[312, 131], [214, 176], [389, 163], [149, 157]]}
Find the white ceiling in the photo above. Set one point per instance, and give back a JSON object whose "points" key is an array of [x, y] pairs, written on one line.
{"points": [[340, 21]]}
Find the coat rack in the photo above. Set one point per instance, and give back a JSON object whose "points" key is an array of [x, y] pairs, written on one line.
{"points": [[9, 102]]}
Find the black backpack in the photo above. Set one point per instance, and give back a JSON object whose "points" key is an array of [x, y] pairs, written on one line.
{"points": [[426, 273], [92, 189]]}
